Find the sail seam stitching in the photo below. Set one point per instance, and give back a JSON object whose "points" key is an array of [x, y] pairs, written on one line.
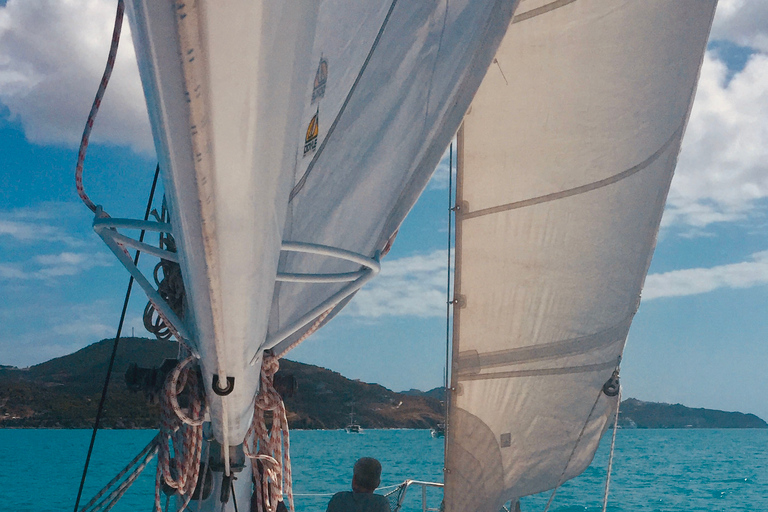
{"points": [[533, 353], [541, 10], [539, 372], [589, 187], [300, 185]]}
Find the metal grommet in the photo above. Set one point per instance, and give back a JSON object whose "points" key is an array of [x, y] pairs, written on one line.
{"points": [[222, 391]]}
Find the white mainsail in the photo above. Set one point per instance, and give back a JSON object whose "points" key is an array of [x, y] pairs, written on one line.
{"points": [[565, 160]]}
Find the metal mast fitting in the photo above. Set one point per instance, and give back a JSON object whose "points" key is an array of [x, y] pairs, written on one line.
{"points": [[356, 280], [107, 228]]}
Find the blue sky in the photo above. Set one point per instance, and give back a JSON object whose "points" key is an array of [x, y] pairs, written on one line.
{"points": [[700, 337]]}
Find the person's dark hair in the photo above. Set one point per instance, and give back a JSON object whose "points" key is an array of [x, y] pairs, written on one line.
{"points": [[367, 474]]}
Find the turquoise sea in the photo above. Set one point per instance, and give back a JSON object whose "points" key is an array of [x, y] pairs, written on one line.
{"points": [[654, 470]]}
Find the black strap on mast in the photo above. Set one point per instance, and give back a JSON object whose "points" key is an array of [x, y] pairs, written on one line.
{"points": [[114, 347]]}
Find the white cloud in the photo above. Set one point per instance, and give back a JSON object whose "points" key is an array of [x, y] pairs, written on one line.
{"points": [[410, 286], [722, 173], [46, 241], [49, 222], [48, 266], [52, 56], [31, 232], [69, 263], [695, 281], [61, 331], [744, 22], [85, 328], [9, 271], [415, 285]]}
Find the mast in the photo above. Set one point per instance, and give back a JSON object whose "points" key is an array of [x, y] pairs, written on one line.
{"points": [[565, 160]]}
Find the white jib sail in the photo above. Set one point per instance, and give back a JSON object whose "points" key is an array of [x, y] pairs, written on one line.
{"points": [[309, 122], [565, 160]]}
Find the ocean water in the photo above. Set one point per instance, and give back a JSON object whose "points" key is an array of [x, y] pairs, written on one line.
{"points": [[654, 470]]}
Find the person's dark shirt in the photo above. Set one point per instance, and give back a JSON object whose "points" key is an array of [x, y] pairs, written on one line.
{"points": [[348, 501]]}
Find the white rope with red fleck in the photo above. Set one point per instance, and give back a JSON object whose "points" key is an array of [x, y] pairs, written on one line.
{"points": [[96, 104], [184, 431], [310, 332], [136, 466], [271, 448]]}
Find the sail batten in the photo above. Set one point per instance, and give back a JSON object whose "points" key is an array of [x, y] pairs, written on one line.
{"points": [[565, 159], [583, 189]]}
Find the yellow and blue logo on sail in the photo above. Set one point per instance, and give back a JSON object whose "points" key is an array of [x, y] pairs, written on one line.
{"points": [[321, 77], [310, 141]]}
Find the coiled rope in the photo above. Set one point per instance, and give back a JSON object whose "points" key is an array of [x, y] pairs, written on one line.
{"points": [[183, 431], [269, 451]]}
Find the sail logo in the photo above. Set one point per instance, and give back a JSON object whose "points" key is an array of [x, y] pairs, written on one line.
{"points": [[321, 77], [310, 141]]}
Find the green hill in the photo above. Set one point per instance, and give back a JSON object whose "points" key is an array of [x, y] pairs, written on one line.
{"points": [[65, 392], [638, 414]]}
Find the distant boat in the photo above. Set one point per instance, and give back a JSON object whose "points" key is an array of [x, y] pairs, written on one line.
{"points": [[439, 430], [352, 427]]}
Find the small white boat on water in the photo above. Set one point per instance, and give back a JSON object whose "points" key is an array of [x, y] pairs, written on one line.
{"points": [[353, 427], [293, 138]]}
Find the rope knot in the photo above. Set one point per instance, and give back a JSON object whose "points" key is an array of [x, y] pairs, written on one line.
{"points": [[183, 432], [268, 398], [269, 449], [270, 365]]}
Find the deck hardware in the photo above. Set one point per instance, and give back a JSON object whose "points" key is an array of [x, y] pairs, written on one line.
{"points": [[225, 390], [369, 267], [612, 386]]}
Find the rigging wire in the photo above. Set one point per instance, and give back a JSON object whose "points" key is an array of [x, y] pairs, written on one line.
{"points": [[610, 457], [234, 494], [448, 295], [114, 346], [573, 451]]}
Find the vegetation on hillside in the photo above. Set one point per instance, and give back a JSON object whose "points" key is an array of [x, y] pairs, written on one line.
{"points": [[65, 392]]}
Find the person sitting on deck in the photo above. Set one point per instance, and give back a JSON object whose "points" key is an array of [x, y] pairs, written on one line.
{"points": [[365, 479]]}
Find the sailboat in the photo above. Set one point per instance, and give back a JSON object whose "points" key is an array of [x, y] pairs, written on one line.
{"points": [[293, 138], [353, 427]]}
